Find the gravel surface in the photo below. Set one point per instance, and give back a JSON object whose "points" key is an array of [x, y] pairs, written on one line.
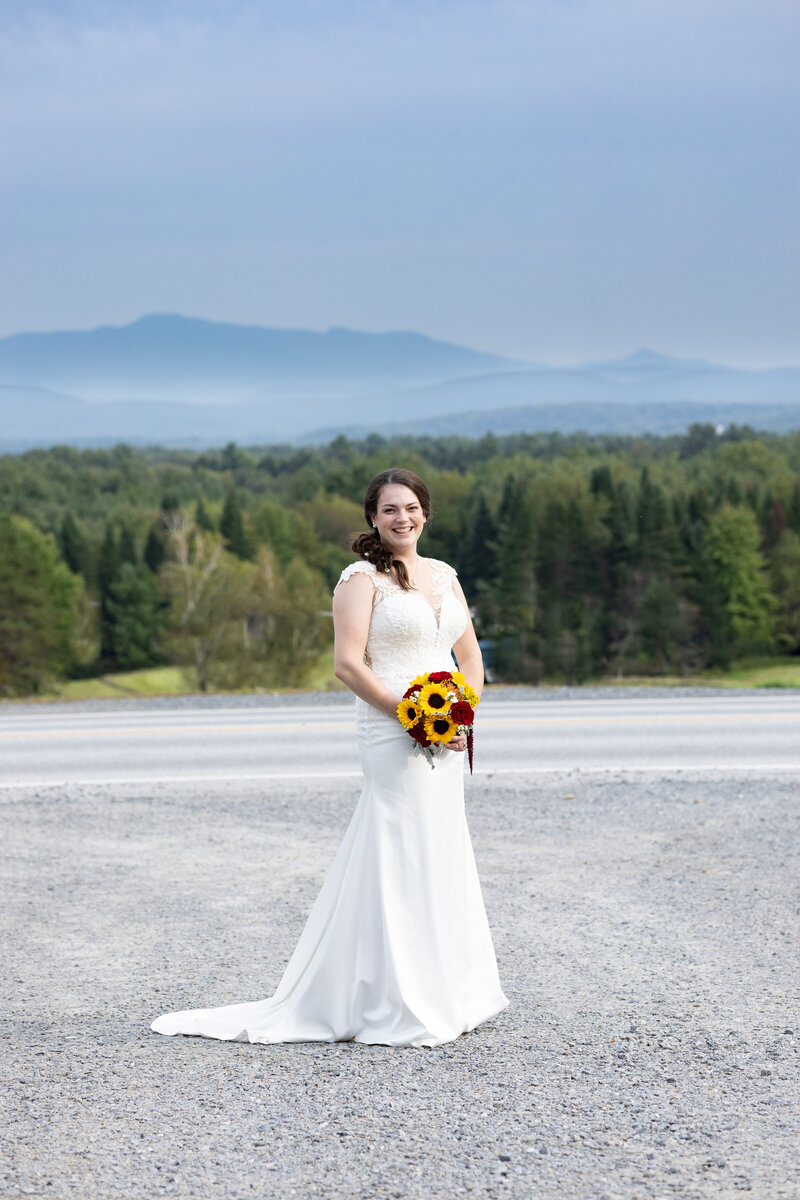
{"points": [[646, 930]]}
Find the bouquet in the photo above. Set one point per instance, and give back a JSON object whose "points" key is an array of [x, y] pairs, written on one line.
{"points": [[435, 707]]}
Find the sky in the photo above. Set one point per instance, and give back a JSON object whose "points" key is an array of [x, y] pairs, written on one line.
{"points": [[553, 180]]}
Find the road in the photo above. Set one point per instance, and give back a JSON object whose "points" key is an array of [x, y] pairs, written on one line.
{"points": [[61, 744]]}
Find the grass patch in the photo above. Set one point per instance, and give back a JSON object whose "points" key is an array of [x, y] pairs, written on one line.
{"points": [[763, 673], [754, 673], [154, 681], [322, 678], [171, 681]]}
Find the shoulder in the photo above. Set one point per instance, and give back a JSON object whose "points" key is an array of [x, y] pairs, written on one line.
{"points": [[441, 569], [358, 568]]}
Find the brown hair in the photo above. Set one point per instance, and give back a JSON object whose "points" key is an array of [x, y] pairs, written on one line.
{"points": [[369, 545]]}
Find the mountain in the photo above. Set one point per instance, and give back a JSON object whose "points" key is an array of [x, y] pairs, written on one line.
{"points": [[181, 358], [622, 419], [183, 382]]}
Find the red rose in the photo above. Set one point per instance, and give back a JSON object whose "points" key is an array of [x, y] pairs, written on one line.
{"points": [[418, 734], [440, 677], [410, 691], [462, 713]]}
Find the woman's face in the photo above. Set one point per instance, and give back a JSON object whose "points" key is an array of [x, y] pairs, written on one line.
{"points": [[399, 517]]}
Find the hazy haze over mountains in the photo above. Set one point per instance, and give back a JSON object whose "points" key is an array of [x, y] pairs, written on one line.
{"points": [[177, 380], [167, 357]]}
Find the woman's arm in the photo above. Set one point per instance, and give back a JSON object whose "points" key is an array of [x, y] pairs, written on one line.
{"points": [[352, 612], [469, 659], [467, 651]]}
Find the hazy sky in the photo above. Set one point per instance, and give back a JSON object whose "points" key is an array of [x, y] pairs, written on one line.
{"points": [[553, 179]]}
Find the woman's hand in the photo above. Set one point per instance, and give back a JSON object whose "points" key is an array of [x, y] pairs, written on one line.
{"points": [[459, 742]]}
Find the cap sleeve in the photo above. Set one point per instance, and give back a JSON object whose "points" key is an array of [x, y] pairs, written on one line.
{"points": [[357, 568], [443, 576]]}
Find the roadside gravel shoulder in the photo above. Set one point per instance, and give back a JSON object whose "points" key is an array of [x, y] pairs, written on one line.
{"points": [[646, 930], [343, 697]]}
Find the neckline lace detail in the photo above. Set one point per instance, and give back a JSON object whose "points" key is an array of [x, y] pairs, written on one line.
{"points": [[441, 581]]}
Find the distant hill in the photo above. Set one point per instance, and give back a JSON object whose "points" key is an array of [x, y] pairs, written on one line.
{"points": [[181, 358], [184, 382], [660, 419]]}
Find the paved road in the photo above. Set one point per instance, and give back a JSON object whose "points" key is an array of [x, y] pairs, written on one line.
{"points": [[49, 746]]}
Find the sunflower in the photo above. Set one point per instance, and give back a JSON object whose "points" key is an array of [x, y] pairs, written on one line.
{"points": [[458, 679], [440, 728], [408, 713], [433, 699]]}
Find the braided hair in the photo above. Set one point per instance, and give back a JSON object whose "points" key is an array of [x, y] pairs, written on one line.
{"points": [[369, 546]]}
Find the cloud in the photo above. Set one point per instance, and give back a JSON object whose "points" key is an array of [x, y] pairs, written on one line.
{"points": [[371, 159]]}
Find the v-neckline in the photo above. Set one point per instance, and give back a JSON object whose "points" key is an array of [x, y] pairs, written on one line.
{"points": [[415, 591], [437, 617]]}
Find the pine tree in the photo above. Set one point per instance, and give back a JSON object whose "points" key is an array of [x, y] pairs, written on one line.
{"points": [[601, 482], [785, 572], [515, 575], [621, 524], [662, 628], [231, 526], [72, 545], [202, 518], [39, 599], [155, 548], [793, 509], [136, 610], [126, 552], [170, 503], [773, 520], [739, 595], [108, 564], [478, 558]]}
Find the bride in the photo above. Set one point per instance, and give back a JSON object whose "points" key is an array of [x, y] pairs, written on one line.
{"points": [[396, 950]]}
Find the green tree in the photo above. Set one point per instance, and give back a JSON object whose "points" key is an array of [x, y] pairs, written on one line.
{"points": [[155, 547], [785, 571], [108, 564], [73, 547], [793, 509], [202, 518], [231, 526], [657, 545], [663, 626], [515, 582], [136, 609], [477, 561], [39, 607], [287, 627], [212, 595], [740, 595], [126, 552]]}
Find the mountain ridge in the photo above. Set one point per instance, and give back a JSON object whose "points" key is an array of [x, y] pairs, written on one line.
{"points": [[171, 357], [212, 382]]}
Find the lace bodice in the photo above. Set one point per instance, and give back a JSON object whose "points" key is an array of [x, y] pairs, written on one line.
{"points": [[407, 635]]}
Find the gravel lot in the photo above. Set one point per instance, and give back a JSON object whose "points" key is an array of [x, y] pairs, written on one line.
{"points": [[646, 930]]}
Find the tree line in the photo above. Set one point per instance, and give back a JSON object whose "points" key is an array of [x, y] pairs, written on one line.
{"points": [[581, 556]]}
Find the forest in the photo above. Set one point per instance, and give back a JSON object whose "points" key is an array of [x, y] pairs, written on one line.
{"points": [[582, 557]]}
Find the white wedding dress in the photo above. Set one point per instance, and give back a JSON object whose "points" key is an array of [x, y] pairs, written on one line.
{"points": [[397, 949]]}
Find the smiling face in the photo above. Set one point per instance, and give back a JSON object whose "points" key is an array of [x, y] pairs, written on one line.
{"points": [[399, 517]]}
